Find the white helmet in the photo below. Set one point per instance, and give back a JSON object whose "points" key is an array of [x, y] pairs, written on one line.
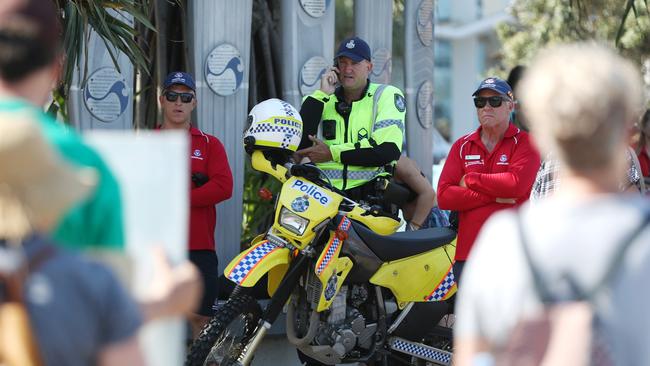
{"points": [[273, 123]]}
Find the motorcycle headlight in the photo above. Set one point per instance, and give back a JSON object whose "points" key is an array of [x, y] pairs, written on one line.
{"points": [[293, 222]]}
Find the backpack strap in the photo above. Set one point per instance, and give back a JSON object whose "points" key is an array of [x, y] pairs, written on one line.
{"points": [[540, 286], [620, 254], [546, 296]]}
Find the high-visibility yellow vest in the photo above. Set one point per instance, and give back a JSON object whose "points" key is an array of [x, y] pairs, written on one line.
{"points": [[376, 118]]}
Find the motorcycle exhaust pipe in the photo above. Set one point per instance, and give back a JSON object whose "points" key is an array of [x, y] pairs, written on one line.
{"points": [[291, 331], [246, 356]]}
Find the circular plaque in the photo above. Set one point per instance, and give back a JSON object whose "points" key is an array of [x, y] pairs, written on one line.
{"points": [[310, 74], [381, 65], [314, 8], [224, 69], [424, 23], [106, 95], [425, 104]]}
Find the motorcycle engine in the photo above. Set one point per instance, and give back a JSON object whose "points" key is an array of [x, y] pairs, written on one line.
{"points": [[342, 331]]}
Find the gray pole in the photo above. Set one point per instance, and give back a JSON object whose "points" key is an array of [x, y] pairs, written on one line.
{"points": [[219, 36], [418, 77], [373, 20], [307, 46]]}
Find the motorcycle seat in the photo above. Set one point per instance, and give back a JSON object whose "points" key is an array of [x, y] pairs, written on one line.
{"points": [[404, 244]]}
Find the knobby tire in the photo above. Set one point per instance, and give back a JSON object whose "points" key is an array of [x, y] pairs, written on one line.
{"points": [[240, 304]]}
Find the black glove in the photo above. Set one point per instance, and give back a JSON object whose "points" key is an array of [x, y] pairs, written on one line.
{"points": [[199, 179], [453, 220]]}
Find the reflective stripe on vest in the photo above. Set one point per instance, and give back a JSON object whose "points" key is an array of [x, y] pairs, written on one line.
{"points": [[375, 103], [365, 175], [388, 122]]}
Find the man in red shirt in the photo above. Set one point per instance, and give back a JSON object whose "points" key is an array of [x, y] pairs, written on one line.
{"points": [[487, 170], [211, 183]]}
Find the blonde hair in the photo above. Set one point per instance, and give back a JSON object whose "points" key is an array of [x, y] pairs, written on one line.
{"points": [[579, 100]]}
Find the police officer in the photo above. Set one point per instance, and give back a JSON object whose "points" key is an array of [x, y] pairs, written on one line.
{"points": [[361, 123]]}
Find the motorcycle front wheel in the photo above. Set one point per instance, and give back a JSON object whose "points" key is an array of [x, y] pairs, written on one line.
{"points": [[223, 338]]}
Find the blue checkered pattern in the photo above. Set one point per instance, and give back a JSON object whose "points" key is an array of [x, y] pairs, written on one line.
{"points": [[443, 358], [286, 140], [288, 108], [387, 123], [250, 260], [443, 287], [333, 246], [267, 127]]}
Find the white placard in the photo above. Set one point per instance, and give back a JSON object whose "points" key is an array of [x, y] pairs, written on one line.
{"points": [[424, 22], [425, 104], [315, 8], [381, 65], [106, 94], [151, 168], [224, 69], [310, 74]]}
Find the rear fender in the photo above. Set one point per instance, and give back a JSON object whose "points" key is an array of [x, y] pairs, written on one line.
{"points": [[420, 278], [262, 257]]}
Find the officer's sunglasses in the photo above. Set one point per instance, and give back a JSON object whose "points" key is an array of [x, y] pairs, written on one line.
{"points": [[185, 97], [495, 102]]}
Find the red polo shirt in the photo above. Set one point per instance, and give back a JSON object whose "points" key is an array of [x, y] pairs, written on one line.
{"points": [[506, 172], [207, 156]]}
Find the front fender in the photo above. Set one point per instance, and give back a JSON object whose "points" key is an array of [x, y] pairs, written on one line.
{"points": [[250, 265]]}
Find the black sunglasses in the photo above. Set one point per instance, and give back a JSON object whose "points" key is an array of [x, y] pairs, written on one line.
{"points": [[185, 97], [495, 102]]}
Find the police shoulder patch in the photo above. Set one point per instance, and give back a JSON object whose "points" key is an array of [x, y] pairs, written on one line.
{"points": [[400, 103]]}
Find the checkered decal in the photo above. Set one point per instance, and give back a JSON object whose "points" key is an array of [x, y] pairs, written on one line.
{"points": [[286, 141], [255, 255], [443, 288], [332, 246], [429, 353], [387, 123], [267, 127]]}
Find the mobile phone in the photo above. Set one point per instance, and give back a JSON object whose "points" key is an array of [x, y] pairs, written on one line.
{"points": [[335, 63]]}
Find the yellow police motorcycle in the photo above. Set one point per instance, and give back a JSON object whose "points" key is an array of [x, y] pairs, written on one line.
{"points": [[353, 289]]}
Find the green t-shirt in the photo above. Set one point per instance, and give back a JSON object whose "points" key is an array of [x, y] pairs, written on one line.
{"points": [[96, 221]]}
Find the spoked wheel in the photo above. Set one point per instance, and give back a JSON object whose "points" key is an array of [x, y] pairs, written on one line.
{"points": [[224, 337]]}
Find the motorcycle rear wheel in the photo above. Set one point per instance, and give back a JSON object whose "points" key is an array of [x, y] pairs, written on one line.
{"points": [[224, 337]]}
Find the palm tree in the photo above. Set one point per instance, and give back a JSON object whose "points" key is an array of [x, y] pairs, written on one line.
{"points": [[79, 16]]}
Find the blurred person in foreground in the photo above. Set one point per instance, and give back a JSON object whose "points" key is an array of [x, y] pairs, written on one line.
{"points": [[488, 170], [31, 56], [30, 65], [574, 264], [78, 311]]}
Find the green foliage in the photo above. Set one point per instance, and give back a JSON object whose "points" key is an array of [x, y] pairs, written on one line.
{"points": [[621, 24], [257, 214], [344, 24]]}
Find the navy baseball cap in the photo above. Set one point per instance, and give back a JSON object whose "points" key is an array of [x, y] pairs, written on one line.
{"points": [[355, 48], [179, 78], [498, 85]]}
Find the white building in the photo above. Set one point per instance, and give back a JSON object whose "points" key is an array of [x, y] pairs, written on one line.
{"points": [[466, 47]]}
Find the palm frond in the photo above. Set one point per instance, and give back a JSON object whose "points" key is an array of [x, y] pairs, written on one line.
{"points": [[117, 33]]}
